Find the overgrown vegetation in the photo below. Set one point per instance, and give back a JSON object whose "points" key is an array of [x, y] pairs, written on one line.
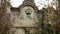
{"points": [[4, 18], [48, 21], [58, 23]]}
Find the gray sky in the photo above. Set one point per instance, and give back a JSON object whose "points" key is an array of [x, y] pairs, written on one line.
{"points": [[39, 3]]}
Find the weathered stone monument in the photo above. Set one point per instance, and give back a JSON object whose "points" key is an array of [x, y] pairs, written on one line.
{"points": [[24, 18]]}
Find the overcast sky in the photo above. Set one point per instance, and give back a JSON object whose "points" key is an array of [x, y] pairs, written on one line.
{"points": [[39, 3]]}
